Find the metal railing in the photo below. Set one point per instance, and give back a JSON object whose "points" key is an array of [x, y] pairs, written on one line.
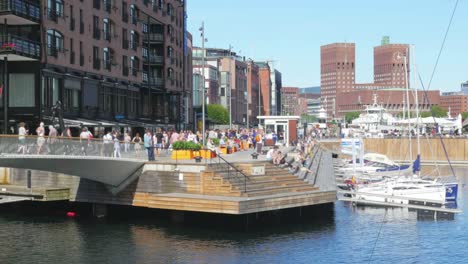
{"points": [[70, 147], [24, 8], [233, 171], [154, 59], [21, 46], [156, 37]]}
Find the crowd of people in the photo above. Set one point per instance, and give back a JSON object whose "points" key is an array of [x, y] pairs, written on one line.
{"points": [[155, 142]]}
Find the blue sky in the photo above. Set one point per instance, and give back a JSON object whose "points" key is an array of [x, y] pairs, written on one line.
{"points": [[291, 33]]}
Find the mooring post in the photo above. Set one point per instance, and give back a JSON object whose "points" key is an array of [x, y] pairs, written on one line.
{"points": [[29, 182]]}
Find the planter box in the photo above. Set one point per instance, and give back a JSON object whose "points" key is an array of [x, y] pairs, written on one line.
{"points": [[206, 154], [182, 154]]}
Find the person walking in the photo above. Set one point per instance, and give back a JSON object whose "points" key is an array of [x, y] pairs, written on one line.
{"points": [[22, 132], [117, 153], [40, 131], [52, 140], [127, 139], [107, 144], [137, 144], [84, 140], [259, 141], [148, 143]]}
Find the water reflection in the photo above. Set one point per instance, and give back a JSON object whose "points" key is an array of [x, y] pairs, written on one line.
{"points": [[347, 234]]}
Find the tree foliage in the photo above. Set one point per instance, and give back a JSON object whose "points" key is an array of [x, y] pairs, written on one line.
{"points": [[217, 114], [437, 110], [350, 116], [306, 118], [464, 115]]}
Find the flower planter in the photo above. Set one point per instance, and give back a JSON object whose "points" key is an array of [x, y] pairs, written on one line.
{"points": [[206, 154], [182, 154]]}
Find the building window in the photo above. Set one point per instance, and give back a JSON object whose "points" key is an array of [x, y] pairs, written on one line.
{"points": [[97, 4], [124, 12], [134, 40], [107, 5], [125, 65], [135, 63], [54, 42], [106, 29], [170, 73], [105, 96], [119, 102], [23, 93], [72, 52], [124, 38], [81, 54], [50, 91], [133, 98], [134, 14], [170, 52], [96, 60], [96, 30], [106, 59], [72, 19], [54, 9], [81, 22]]}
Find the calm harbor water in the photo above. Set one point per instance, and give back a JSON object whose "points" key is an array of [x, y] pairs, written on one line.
{"points": [[349, 235]]}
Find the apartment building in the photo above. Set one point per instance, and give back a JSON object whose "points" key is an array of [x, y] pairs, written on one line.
{"points": [[123, 62]]}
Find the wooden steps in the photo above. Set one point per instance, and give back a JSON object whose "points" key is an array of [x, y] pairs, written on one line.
{"points": [[220, 179]]}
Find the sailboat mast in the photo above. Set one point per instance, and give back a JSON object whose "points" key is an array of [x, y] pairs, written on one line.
{"points": [[413, 55], [409, 107]]}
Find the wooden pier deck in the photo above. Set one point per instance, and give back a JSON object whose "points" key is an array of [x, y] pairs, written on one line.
{"points": [[189, 186]]}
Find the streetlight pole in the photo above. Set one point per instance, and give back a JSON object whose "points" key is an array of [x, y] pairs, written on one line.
{"points": [[202, 29], [247, 103], [230, 89]]}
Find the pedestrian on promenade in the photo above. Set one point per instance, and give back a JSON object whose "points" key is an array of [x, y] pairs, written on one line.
{"points": [[52, 140], [127, 139], [117, 153], [22, 132], [148, 143], [107, 144], [137, 144], [40, 131], [84, 140]]}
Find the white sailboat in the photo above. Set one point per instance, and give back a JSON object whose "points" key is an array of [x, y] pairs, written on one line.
{"points": [[403, 189]]}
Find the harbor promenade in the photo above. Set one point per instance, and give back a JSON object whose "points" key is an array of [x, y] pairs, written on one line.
{"points": [[230, 184]]}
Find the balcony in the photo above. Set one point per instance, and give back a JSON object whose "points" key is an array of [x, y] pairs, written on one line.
{"points": [[22, 49], [20, 12], [153, 81], [154, 37], [153, 59]]}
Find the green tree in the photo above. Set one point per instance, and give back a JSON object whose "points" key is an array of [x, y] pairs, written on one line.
{"points": [[217, 114], [350, 116], [437, 110], [306, 118], [464, 115]]}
